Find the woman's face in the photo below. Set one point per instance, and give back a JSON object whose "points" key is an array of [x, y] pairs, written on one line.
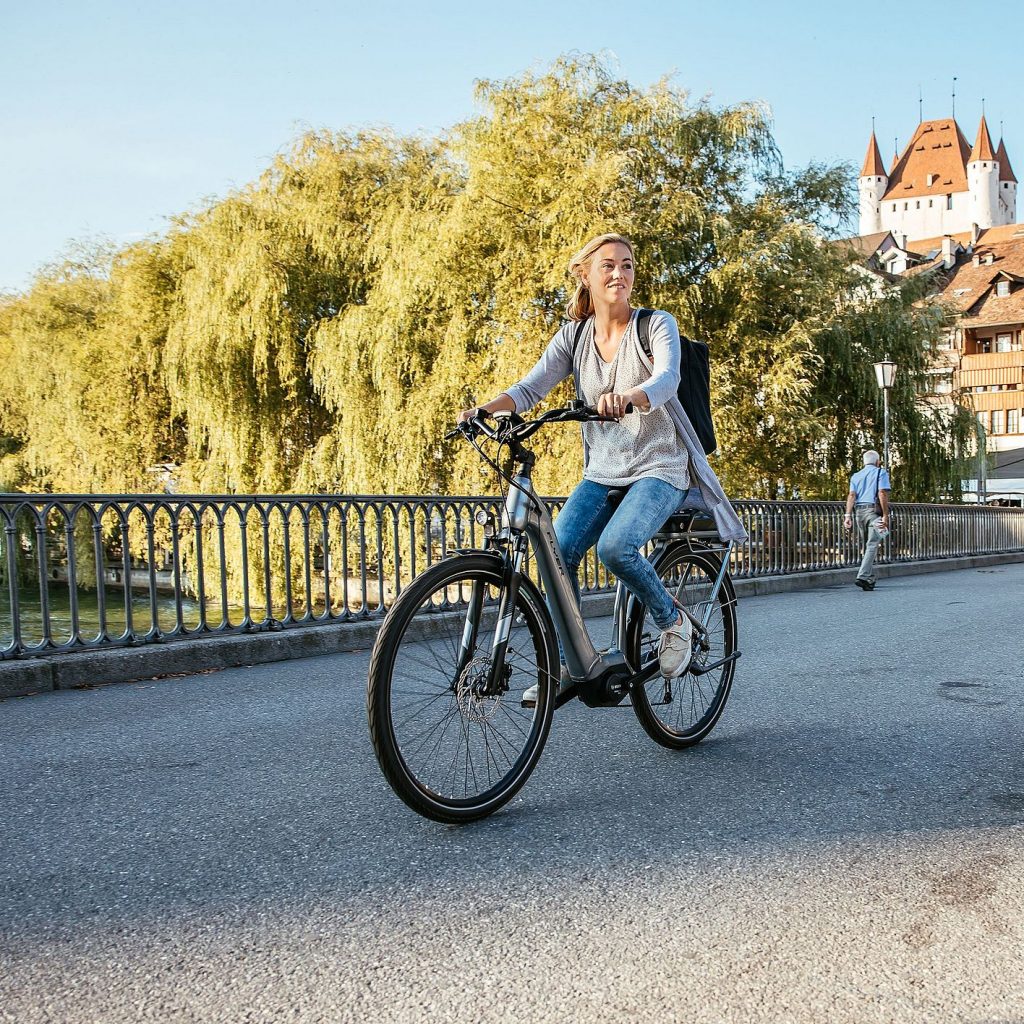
{"points": [[610, 274]]}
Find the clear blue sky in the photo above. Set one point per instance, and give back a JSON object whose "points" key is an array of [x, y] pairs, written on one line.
{"points": [[117, 114]]}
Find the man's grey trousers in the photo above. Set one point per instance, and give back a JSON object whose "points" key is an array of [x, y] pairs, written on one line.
{"points": [[866, 516]]}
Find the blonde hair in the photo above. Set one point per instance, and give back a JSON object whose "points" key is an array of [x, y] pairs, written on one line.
{"points": [[581, 305]]}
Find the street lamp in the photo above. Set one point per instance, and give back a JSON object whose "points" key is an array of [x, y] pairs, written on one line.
{"points": [[885, 374]]}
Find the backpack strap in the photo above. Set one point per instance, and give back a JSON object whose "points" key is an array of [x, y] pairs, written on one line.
{"points": [[643, 330], [581, 326]]}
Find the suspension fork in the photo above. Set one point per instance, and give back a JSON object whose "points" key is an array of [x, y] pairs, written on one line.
{"points": [[512, 567], [474, 611]]}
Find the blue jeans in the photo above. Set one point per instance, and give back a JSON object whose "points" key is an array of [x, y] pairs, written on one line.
{"points": [[588, 518]]}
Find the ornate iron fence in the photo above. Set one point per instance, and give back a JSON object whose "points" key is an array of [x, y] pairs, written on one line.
{"points": [[81, 572]]}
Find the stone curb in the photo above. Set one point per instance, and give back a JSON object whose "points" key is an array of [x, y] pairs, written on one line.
{"points": [[185, 657]]}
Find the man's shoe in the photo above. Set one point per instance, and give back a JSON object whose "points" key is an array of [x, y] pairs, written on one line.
{"points": [[530, 695], [864, 584], [675, 648]]}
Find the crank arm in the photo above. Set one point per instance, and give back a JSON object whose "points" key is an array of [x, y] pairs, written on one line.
{"points": [[715, 664]]}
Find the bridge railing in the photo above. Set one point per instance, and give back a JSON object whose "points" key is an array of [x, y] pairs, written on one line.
{"points": [[80, 572]]}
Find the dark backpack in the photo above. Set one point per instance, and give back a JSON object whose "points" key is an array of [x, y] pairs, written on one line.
{"points": [[694, 377]]}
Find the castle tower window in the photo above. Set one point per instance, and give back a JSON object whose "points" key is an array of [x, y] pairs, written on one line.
{"points": [[949, 202]]}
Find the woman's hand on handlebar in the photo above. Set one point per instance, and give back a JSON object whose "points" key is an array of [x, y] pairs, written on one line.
{"points": [[500, 404], [616, 405]]}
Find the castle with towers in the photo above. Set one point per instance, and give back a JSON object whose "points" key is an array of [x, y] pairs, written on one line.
{"points": [[949, 210], [939, 185]]}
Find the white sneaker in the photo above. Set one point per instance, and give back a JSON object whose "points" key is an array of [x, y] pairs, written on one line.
{"points": [[530, 694], [675, 649]]}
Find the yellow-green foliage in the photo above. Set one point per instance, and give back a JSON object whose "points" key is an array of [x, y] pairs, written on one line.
{"points": [[319, 329]]}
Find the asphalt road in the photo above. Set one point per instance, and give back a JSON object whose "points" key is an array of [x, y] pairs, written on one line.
{"points": [[848, 845]]}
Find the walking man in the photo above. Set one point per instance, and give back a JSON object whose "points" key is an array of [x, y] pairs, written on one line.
{"points": [[869, 501]]}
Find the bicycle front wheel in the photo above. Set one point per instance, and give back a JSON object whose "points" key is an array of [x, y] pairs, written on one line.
{"points": [[680, 712], [454, 744]]}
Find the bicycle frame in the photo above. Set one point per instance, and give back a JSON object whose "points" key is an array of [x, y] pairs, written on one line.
{"points": [[525, 514]]}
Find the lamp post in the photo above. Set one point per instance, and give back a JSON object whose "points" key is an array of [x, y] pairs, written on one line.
{"points": [[885, 374]]}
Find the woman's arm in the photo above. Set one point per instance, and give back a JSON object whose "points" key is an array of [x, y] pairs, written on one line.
{"points": [[663, 382], [551, 369]]}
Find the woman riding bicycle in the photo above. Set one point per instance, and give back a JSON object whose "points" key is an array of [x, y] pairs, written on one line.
{"points": [[650, 452]]}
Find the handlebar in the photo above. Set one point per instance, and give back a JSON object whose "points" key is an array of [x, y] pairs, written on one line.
{"points": [[510, 425]]}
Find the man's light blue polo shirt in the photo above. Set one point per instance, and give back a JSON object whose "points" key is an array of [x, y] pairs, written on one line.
{"points": [[863, 484]]}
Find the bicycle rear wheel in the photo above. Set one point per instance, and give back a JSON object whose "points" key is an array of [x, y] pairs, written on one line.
{"points": [[453, 748], [680, 712]]}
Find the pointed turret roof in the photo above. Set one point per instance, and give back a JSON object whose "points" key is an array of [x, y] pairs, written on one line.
{"points": [[895, 161], [982, 144], [934, 162], [1005, 170], [873, 166]]}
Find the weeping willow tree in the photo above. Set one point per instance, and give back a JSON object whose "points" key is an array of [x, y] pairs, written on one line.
{"points": [[319, 329], [82, 395]]}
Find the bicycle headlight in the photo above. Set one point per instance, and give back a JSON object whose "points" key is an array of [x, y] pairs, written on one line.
{"points": [[486, 520]]}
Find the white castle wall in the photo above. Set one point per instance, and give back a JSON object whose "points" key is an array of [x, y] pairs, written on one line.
{"points": [[926, 216]]}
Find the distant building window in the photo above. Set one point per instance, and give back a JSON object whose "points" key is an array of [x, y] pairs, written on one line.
{"points": [[983, 419], [998, 421], [1004, 342], [1013, 421], [917, 205], [1002, 290], [893, 207], [949, 202], [944, 384], [984, 346], [906, 206], [1006, 184], [929, 204]]}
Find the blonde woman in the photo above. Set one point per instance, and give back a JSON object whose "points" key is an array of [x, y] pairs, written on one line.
{"points": [[651, 452]]}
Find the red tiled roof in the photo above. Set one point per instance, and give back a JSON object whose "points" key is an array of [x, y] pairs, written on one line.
{"points": [[926, 245], [873, 166], [938, 154], [1005, 170], [982, 144], [969, 287]]}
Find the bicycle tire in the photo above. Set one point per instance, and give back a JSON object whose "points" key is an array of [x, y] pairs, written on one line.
{"points": [[424, 663], [694, 704]]}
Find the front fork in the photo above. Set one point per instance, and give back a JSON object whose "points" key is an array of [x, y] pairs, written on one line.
{"points": [[511, 571]]}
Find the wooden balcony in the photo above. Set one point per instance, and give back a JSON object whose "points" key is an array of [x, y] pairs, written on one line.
{"points": [[981, 401], [991, 360]]}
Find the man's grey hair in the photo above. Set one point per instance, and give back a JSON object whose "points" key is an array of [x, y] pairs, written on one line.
{"points": [[871, 457]]}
